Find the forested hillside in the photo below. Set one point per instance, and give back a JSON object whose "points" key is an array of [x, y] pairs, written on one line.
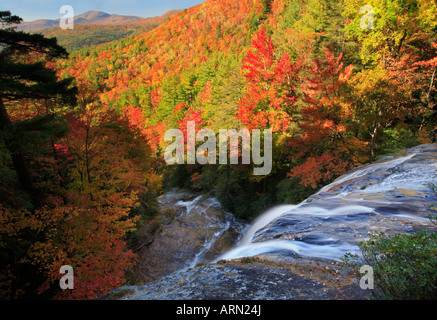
{"points": [[84, 36], [90, 17], [336, 95], [336, 91]]}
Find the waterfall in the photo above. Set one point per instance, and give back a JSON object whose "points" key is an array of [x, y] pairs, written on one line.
{"points": [[190, 205], [325, 251], [319, 247], [264, 220], [208, 244], [200, 206], [384, 195]]}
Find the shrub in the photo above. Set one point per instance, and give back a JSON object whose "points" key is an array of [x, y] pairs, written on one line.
{"points": [[404, 265], [398, 138], [292, 191]]}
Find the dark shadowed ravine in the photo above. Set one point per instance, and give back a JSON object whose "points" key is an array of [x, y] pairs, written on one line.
{"points": [[198, 251]]}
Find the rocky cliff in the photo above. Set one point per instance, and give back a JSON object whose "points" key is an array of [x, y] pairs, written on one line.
{"points": [[291, 251], [188, 230]]}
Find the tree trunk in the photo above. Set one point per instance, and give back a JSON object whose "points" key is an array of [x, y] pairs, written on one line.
{"points": [[372, 146], [17, 157]]}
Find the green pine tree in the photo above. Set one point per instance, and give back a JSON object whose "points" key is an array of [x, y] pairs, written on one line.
{"points": [[24, 75]]}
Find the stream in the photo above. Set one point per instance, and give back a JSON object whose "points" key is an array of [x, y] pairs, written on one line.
{"points": [[391, 195]]}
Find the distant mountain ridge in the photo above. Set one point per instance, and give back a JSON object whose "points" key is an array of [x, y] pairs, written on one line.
{"points": [[94, 28], [90, 17]]}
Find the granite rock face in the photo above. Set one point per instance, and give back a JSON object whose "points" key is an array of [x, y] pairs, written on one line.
{"points": [[249, 281], [189, 229], [294, 249], [391, 195]]}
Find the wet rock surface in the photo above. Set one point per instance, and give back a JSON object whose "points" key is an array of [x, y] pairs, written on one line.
{"points": [[258, 280], [294, 249], [391, 195], [188, 230]]}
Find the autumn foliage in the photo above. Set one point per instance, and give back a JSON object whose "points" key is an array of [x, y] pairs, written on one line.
{"points": [[335, 95], [323, 139], [268, 102]]}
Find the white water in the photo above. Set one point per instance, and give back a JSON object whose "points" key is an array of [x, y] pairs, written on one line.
{"points": [[200, 207], [326, 251], [326, 243], [360, 172], [264, 220], [412, 179], [247, 248], [276, 212], [189, 204], [207, 245]]}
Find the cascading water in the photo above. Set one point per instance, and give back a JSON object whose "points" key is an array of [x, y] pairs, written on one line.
{"points": [[366, 169], [218, 225], [324, 251], [208, 244], [264, 220], [323, 247], [384, 196], [189, 205], [188, 229], [390, 195]]}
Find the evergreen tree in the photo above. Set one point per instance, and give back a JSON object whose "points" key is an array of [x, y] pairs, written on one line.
{"points": [[24, 74]]}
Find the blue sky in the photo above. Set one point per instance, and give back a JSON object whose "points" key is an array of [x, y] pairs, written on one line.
{"points": [[39, 9]]}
